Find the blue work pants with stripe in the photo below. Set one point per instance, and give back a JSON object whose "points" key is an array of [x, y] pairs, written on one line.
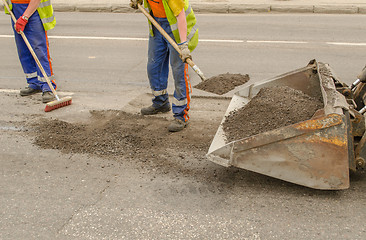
{"points": [[159, 53], [38, 39]]}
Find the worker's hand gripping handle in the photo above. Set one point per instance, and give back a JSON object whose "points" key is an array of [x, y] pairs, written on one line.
{"points": [[171, 41], [134, 3]]}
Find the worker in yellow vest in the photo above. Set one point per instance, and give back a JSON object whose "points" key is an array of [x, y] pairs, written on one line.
{"points": [[34, 19], [176, 17]]}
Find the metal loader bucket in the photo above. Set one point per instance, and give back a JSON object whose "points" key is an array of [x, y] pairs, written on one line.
{"points": [[313, 153]]}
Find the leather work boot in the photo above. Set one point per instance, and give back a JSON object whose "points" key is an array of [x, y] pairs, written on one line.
{"points": [[27, 91], [48, 97], [151, 110], [177, 125]]}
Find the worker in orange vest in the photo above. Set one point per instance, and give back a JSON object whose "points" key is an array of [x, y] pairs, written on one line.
{"points": [[177, 18]]}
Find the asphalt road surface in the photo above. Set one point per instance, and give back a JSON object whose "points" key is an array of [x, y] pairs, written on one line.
{"points": [[113, 51], [101, 59]]}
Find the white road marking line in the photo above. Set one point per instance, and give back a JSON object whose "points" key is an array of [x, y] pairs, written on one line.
{"points": [[285, 42], [87, 37], [218, 40], [136, 39], [17, 91], [124, 38], [201, 40], [10, 128], [98, 38], [8, 91], [346, 44]]}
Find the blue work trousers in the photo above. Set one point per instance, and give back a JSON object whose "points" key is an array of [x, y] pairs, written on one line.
{"points": [[159, 53], [38, 39]]}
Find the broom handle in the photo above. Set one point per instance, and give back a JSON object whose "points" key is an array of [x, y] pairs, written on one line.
{"points": [[33, 53], [171, 41]]}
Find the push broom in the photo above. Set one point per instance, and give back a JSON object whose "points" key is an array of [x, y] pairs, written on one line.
{"points": [[58, 103]]}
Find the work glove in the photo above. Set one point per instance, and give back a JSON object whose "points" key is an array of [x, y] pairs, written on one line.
{"points": [[185, 53], [134, 3], [21, 23]]}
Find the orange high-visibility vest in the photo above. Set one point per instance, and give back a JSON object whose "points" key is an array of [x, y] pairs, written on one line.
{"points": [[157, 8], [21, 1]]}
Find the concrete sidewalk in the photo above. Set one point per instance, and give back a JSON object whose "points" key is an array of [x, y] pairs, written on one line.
{"points": [[226, 6]]}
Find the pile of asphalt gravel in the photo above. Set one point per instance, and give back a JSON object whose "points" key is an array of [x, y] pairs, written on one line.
{"points": [[271, 108], [223, 83], [120, 134]]}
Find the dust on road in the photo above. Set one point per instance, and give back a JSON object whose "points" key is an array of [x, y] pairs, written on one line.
{"points": [[127, 137]]}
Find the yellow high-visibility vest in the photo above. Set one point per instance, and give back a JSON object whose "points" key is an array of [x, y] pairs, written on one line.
{"points": [[45, 11]]}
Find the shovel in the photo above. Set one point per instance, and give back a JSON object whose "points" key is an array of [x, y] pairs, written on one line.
{"points": [[171, 41]]}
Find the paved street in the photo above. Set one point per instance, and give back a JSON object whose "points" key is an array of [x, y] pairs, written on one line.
{"points": [[260, 45], [46, 194]]}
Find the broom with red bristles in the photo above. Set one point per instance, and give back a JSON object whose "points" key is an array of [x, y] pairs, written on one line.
{"points": [[58, 103]]}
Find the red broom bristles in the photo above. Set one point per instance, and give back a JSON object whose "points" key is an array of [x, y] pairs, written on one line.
{"points": [[58, 104]]}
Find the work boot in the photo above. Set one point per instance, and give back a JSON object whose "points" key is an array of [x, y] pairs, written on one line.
{"points": [[177, 125], [151, 110], [48, 97], [27, 91]]}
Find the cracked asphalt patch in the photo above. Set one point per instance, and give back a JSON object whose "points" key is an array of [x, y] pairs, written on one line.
{"points": [[51, 194]]}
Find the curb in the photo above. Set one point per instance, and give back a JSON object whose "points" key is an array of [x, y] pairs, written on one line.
{"points": [[220, 8], [225, 8], [362, 10]]}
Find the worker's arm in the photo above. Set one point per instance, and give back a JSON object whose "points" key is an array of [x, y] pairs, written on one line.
{"points": [[23, 20], [177, 7], [182, 28], [32, 7]]}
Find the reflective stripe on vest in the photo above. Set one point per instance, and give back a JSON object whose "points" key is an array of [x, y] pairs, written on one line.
{"points": [[192, 29], [45, 11], [44, 4]]}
